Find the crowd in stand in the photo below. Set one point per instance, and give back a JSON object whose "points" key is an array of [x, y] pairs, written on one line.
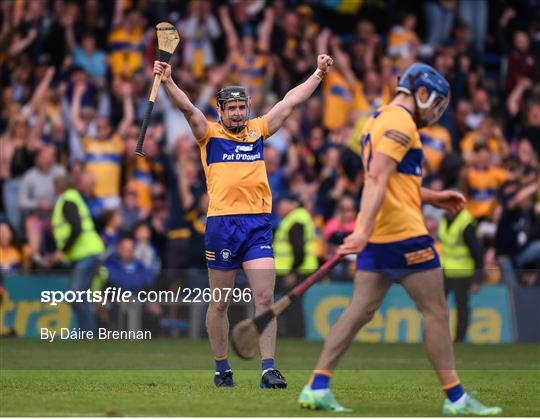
{"points": [[75, 78]]}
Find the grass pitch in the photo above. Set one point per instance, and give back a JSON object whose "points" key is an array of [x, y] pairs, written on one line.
{"points": [[174, 378]]}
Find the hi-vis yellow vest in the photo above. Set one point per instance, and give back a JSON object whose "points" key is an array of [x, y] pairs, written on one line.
{"points": [[283, 251], [88, 243], [456, 258]]}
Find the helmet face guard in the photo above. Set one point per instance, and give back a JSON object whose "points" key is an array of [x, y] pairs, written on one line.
{"points": [[233, 94], [432, 109]]}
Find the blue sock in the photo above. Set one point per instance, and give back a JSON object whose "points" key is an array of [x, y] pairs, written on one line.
{"points": [[222, 365], [454, 393], [320, 380], [267, 363]]}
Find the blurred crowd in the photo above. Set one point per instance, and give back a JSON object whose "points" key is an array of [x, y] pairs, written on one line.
{"points": [[75, 79]]}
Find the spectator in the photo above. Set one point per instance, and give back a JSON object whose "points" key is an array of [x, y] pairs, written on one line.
{"points": [[437, 143], [517, 243], [37, 185], [489, 134], [13, 257], [248, 56], [439, 16], [145, 252], [103, 147], [29, 36], [332, 186], [36, 199], [475, 14], [480, 109], [482, 180], [403, 42], [126, 42], [130, 213], [200, 29], [462, 261], [125, 271], [85, 185], [532, 127], [89, 58], [18, 147], [112, 225], [334, 232], [294, 254], [520, 62], [77, 242]]}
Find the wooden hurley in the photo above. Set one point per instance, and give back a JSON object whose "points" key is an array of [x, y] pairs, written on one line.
{"points": [[168, 40], [245, 335]]}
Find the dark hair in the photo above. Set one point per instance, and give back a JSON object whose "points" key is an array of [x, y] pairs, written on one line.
{"points": [[138, 225], [14, 238], [125, 237], [108, 215]]}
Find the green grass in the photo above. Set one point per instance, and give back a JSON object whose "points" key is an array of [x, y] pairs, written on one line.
{"points": [[173, 378]]}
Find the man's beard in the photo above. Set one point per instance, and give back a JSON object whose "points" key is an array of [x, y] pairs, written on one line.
{"points": [[236, 128]]}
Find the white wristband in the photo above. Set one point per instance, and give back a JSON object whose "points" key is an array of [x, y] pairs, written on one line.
{"points": [[319, 74]]}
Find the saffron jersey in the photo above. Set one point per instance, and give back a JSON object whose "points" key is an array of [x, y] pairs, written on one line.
{"points": [[234, 166], [392, 131]]}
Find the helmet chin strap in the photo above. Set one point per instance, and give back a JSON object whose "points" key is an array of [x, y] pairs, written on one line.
{"points": [[235, 130]]}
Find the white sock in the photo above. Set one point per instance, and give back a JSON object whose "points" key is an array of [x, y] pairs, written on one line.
{"points": [[461, 401]]}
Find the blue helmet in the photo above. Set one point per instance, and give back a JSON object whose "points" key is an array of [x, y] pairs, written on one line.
{"points": [[418, 75]]}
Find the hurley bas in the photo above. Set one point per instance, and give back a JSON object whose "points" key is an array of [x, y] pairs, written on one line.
{"points": [[102, 334]]}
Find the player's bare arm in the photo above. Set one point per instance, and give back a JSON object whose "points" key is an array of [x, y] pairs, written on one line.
{"points": [[451, 201], [294, 97], [381, 168], [194, 116]]}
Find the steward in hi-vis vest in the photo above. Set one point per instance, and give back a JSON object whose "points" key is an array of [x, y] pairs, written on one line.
{"points": [[462, 262], [294, 255], [77, 242]]}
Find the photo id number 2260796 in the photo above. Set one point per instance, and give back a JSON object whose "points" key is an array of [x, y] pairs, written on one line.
{"points": [[206, 295]]}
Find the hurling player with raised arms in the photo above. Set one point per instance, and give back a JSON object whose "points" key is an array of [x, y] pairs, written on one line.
{"points": [[239, 231], [392, 242]]}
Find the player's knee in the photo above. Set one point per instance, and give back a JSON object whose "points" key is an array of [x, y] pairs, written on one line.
{"points": [[437, 312], [367, 315], [363, 316], [264, 299], [219, 306]]}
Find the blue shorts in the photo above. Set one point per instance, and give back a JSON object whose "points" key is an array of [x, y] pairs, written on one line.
{"points": [[396, 260], [233, 239]]}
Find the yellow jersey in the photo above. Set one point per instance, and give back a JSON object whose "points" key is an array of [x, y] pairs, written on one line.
{"points": [[482, 188], [250, 71], [437, 143], [472, 138], [126, 51], [364, 101], [337, 100], [392, 131], [103, 160], [234, 167], [139, 177]]}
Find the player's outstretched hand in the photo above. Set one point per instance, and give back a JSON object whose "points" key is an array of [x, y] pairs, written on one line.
{"points": [[353, 243], [162, 69], [324, 62], [451, 201]]}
